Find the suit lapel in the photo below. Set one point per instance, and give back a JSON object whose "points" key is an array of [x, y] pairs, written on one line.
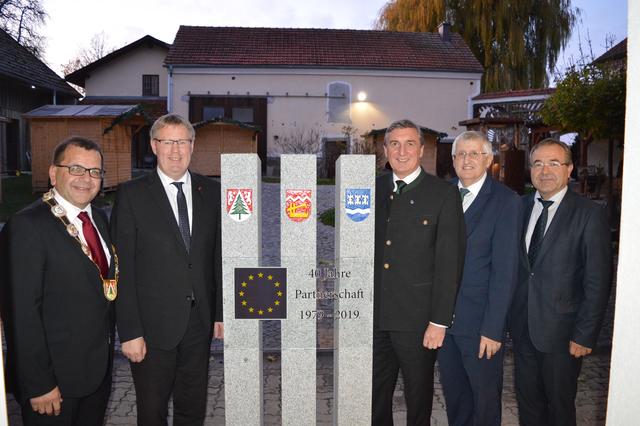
{"points": [[528, 208], [474, 212], [560, 221], [197, 208], [159, 195]]}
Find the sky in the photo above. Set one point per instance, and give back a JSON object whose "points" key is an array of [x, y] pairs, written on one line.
{"points": [[70, 26]]}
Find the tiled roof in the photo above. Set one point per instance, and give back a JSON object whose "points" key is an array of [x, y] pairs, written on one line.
{"points": [[619, 51], [320, 48], [18, 63], [78, 76], [154, 108], [515, 93], [79, 111]]}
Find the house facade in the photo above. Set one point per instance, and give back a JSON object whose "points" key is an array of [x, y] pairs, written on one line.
{"points": [[131, 75], [331, 85]]}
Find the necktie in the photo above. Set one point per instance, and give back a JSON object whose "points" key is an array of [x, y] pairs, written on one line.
{"points": [[93, 241], [183, 216], [400, 186], [538, 231], [464, 192]]}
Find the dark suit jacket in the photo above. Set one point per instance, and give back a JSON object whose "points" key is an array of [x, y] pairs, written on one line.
{"points": [[157, 274], [491, 262], [60, 325], [563, 296], [420, 235]]}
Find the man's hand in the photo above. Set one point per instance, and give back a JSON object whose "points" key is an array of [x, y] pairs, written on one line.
{"points": [[488, 346], [48, 404], [218, 330], [135, 349], [578, 350], [433, 337]]}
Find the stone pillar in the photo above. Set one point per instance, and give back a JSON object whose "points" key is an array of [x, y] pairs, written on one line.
{"points": [[353, 312], [241, 247], [298, 216], [624, 392]]}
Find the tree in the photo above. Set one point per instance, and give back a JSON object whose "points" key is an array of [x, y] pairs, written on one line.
{"points": [[22, 20], [590, 99], [517, 41], [239, 207], [98, 47], [300, 140]]}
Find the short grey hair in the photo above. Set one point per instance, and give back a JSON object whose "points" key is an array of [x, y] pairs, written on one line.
{"points": [[171, 120], [472, 135], [403, 124]]}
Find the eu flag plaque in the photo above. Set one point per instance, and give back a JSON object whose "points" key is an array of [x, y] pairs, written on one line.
{"points": [[260, 293]]}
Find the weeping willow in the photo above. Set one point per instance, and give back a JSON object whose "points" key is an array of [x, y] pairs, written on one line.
{"points": [[517, 41]]}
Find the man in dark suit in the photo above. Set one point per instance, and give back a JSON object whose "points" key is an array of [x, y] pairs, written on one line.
{"points": [[419, 253], [563, 287], [167, 227], [470, 360], [60, 270]]}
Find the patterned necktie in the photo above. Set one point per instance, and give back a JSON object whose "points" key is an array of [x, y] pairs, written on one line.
{"points": [[464, 192], [93, 241], [538, 231], [400, 186], [183, 216]]}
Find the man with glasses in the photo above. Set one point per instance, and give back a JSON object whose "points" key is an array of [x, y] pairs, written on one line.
{"points": [[166, 226], [62, 273], [563, 287], [419, 253], [470, 360]]}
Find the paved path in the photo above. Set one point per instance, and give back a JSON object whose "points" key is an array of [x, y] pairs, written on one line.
{"points": [[592, 387]]}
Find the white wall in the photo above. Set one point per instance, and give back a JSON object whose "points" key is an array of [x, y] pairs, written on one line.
{"points": [[435, 100], [122, 76], [623, 407]]}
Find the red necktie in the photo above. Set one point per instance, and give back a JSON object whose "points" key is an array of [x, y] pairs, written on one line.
{"points": [[93, 241]]}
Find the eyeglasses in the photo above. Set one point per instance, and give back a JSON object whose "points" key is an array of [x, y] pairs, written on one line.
{"points": [[170, 142], [553, 164], [76, 170], [473, 155]]}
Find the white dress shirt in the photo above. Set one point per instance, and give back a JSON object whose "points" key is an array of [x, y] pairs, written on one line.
{"points": [[407, 179], [172, 194], [474, 190], [72, 215], [537, 211]]}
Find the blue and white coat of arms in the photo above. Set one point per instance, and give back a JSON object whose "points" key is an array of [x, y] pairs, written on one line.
{"points": [[357, 204]]}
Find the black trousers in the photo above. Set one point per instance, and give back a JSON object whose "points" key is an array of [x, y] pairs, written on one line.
{"points": [[472, 386], [85, 411], [181, 372], [395, 351], [546, 384]]}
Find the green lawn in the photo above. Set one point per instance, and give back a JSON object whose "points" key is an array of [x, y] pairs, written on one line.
{"points": [[16, 194]]}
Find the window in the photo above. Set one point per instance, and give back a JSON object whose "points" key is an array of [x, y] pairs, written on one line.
{"points": [[212, 112], [243, 115], [150, 85], [339, 102]]}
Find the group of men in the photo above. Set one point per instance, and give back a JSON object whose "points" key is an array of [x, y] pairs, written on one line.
{"points": [[457, 264], [454, 263], [156, 273]]}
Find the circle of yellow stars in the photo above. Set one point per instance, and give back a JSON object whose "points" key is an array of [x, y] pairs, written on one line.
{"points": [[276, 302]]}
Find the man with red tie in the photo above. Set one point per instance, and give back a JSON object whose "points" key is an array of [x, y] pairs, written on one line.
{"points": [[62, 279]]}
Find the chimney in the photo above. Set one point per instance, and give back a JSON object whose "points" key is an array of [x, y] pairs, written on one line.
{"points": [[444, 29]]}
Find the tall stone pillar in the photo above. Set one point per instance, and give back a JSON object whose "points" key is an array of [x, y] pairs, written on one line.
{"points": [[353, 313], [241, 247], [298, 216]]}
